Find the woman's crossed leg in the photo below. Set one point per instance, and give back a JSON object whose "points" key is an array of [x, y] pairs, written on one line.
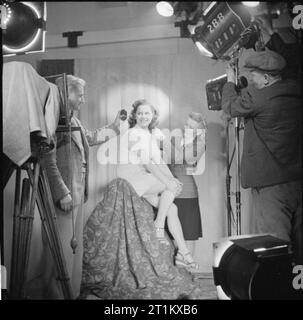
{"points": [[166, 208]]}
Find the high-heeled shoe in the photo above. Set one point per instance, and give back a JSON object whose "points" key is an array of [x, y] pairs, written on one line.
{"points": [[185, 260]]}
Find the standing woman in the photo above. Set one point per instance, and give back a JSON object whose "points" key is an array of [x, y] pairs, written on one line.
{"points": [[187, 155], [150, 176]]}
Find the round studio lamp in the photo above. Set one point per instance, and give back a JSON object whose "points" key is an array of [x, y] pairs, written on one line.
{"points": [[165, 8], [24, 31], [253, 268]]}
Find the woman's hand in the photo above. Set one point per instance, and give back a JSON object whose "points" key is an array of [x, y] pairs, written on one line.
{"points": [[175, 186], [180, 186]]}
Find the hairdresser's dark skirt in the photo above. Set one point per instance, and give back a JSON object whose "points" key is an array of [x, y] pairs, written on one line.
{"points": [[190, 218]]}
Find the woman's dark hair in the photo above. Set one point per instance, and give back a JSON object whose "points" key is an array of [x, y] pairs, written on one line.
{"points": [[132, 117]]}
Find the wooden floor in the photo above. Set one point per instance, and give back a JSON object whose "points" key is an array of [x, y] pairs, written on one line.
{"points": [[205, 279], [207, 284]]}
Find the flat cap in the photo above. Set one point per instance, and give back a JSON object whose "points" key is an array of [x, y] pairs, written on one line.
{"points": [[266, 61]]}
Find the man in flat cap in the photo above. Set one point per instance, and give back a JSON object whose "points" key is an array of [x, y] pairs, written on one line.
{"points": [[272, 154]]}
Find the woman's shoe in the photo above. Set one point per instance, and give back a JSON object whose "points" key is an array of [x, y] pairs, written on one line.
{"points": [[186, 260]]}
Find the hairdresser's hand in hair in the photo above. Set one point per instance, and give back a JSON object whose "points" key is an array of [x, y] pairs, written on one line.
{"points": [[265, 24], [121, 122], [231, 76], [66, 203], [204, 124]]}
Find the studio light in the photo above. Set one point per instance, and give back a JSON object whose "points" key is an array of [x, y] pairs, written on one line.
{"points": [[220, 28], [251, 4], [253, 268], [24, 29], [165, 8]]}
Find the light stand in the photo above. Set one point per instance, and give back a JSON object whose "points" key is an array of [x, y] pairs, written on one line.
{"points": [[237, 193], [237, 150], [235, 66], [228, 178]]}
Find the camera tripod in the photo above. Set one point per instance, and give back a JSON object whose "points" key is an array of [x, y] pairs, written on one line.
{"points": [[35, 190]]}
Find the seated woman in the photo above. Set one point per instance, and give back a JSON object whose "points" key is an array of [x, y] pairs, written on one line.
{"points": [[146, 171]]}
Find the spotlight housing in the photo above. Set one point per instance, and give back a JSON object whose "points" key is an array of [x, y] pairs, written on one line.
{"points": [[253, 267], [24, 31], [220, 29]]}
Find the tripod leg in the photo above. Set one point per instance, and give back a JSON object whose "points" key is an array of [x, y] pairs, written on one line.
{"points": [[48, 218], [28, 218], [15, 233], [18, 277]]}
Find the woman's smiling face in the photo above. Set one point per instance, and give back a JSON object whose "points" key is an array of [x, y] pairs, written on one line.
{"points": [[144, 115]]}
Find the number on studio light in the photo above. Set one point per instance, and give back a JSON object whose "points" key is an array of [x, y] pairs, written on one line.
{"points": [[218, 43], [215, 22], [220, 16]]}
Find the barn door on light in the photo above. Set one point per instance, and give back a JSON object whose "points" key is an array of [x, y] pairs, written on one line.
{"points": [[52, 67]]}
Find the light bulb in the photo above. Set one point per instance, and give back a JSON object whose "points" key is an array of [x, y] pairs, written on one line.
{"points": [[165, 8], [251, 4]]}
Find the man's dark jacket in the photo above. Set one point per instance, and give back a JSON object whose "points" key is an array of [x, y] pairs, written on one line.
{"points": [[272, 145]]}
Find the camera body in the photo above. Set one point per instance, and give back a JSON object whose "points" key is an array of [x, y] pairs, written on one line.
{"points": [[214, 88]]}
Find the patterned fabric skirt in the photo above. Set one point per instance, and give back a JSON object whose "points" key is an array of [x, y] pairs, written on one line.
{"points": [[122, 257]]}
